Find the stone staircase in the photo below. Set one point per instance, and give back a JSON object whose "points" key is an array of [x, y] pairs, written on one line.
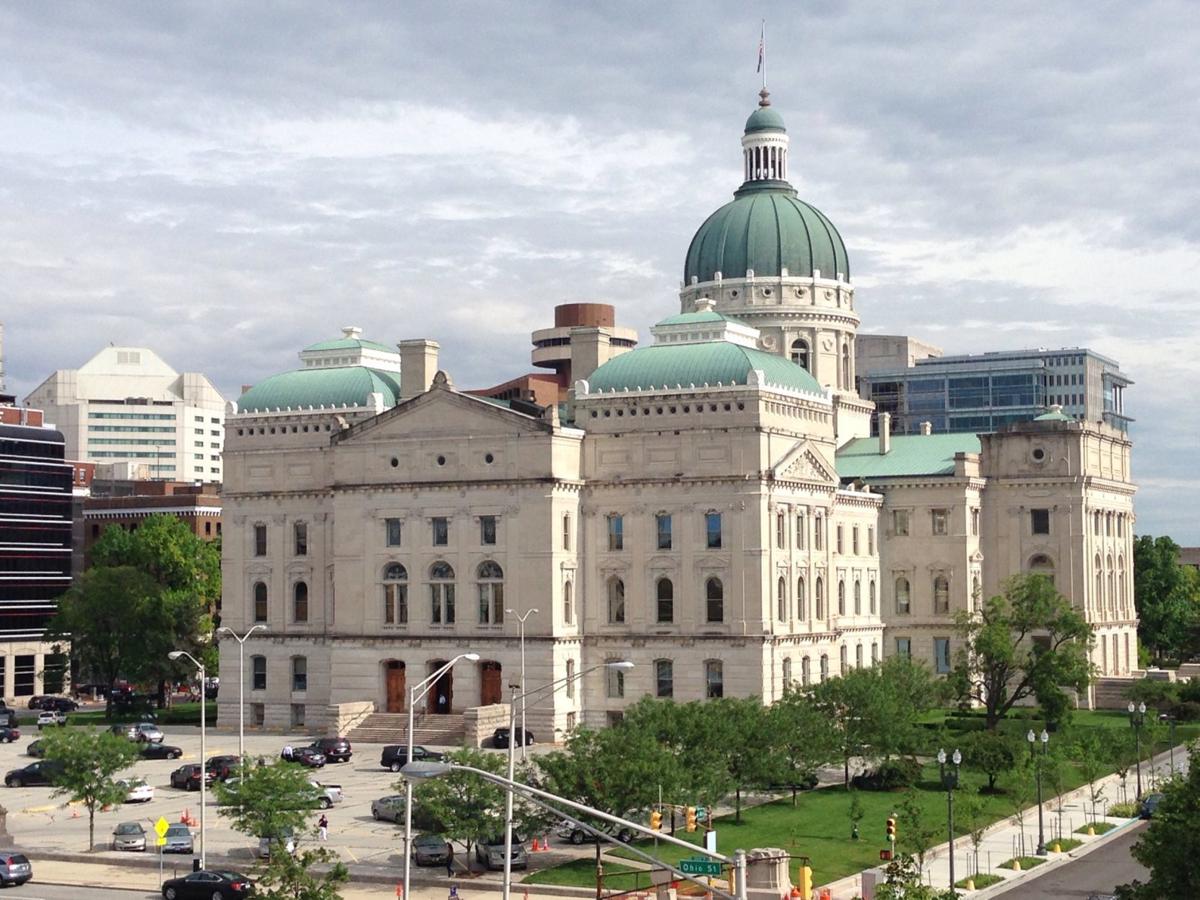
{"points": [[392, 728], [1109, 692]]}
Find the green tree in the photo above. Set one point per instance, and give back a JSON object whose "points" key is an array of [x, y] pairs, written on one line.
{"points": [[855, 813], [971, 813], [1027, 642], [989, 752], [1019, 787], [1167, 597], [800, 737], [466, 805], [854, 708], [903, 881], [686, 731], [916, 830], [741, 728], [89, 760], [1170, 846], [286, 876], [269, 801]]}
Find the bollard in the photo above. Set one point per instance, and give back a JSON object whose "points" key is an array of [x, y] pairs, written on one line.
{"points": [[1016, 865]]}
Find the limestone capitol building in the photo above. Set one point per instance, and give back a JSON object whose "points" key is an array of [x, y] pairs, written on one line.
{"points": [[711, 506]]}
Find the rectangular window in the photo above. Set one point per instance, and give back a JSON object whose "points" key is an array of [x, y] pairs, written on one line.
{"points": [[258, 713], [664, 678], [616, 683], [870, 540], [300, 533], [662, 527], [940, 521], [441, 531], [393, 532], [904, 647], [854, 540], [297, 715], [712, 530], [780, 530], [818, 532], [258, 673], [840, 545], [1039, 521], [975, 522], [616, 532], [299, 673], [487, 530], [714, 679], [800, 526], [566, 533], [900, 522], [260, 540], [941, 655]]}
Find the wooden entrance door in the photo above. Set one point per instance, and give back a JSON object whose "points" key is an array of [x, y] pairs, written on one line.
{"points": [[490, 690], [441, 696], [395, 686]]}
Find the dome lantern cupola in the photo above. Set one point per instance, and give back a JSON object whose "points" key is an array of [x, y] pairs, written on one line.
{"points": [[765, 143]]}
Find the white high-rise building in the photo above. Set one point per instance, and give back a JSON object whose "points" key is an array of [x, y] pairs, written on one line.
{"points": [[126, 405]]}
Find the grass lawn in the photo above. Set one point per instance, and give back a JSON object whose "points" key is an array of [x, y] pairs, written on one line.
{"points": [[1027, 862], [980, 881], [177, 714], [1065, 845], [582, 873], [1097, 827]]}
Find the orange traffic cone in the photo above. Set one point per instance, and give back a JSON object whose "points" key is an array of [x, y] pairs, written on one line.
{"points": [[535, 847], [74, 813], [546, 842]]}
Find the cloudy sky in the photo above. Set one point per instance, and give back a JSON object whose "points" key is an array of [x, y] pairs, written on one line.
{"points": [[227, 182]]}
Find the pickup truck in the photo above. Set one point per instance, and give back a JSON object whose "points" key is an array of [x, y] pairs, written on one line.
{"points": [[331, 793]]}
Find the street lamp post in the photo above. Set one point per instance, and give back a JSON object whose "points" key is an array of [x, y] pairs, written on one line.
{"points": [[178, 654], [241, 639], [1170, 720], [950, 782], [1037, 769], [521, 619], [1137, 718], [512, 756], [415, 693]]}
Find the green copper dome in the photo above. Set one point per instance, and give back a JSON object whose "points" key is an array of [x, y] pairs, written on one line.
{"points": [[764, 119], [317, 387], [767, 228], [712, 363]]}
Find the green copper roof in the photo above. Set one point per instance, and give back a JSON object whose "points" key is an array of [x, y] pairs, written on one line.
{"points": [[910, 454], [350, 344], [340, 386], [764, 119], [767, 228], [712, 363], [1053, 415], [696, 318]]}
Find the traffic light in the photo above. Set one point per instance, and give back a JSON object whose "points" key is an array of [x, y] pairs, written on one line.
{"points": [[891, 829], [656, 821], [691, 818], [805, 883]]}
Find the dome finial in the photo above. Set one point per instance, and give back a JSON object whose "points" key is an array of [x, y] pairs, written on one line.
{"points": [[764, 97]]}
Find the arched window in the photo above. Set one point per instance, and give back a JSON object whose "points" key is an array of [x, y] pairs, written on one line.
{"points": [[800, 352], [300, 601], [1121, 581], [874, 652], [871, 596], [903, 597], [441, 593], [824, 666], [941, 594], [858, 598], [714, 600], [801, 600], [787, 673], [664, 593], [260, 602], [781, 599], [858, 656], [616, 601], [714, 679], [1109, 571], [1042, 565], [568, 602], [395, 594], [846, 366], [805, 671], [1098, 566], [844, 659], [820, 597], [841, 597], [490, 578]]}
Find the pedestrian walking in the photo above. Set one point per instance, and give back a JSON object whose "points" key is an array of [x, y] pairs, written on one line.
{"points": [[449, 860], [323, 828]]}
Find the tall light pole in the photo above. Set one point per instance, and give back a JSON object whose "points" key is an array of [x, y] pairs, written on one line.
{"points": [[174, 655], [1137, 718], [950, 782], [241, 639], [1170, 720], [521, 619], [622, 665], [1037, 769], [415, 693]]}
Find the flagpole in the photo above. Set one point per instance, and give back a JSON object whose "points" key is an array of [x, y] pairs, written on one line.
{"points": [[762, 43]]}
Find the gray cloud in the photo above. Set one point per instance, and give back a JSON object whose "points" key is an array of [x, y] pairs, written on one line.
{"points": [[229, 182]]}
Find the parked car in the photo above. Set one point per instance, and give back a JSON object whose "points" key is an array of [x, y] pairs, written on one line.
{"points": [[306, 756], [568, 831], [206, 885], [430, 850], [8, 715], [43, 771], [36, 748], [50, 717], [8, 735], [137, 791], [35, 702], [1150, 805], [179, 839], [500, 737], [62, 704], [396, 755], [490, 852], [222, 766], [336, 749], [389, 808], [330, 793], [160, 751], [129, 836], [286, 839], [187, 777], [15, 868], [148, 732]]}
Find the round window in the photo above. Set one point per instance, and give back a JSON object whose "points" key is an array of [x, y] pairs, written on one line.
{"points": [[489, 459], [1039, 454], [395, 462], [441, 460]]}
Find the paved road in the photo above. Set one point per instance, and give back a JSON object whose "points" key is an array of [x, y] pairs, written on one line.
{"points": [[33, 891], [1099, 871]]}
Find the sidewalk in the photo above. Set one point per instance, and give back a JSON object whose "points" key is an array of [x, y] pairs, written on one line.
{"points": [[1007, 839]]}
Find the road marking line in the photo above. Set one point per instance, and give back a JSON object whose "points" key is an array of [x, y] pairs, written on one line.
{"points": [[350, 853]]}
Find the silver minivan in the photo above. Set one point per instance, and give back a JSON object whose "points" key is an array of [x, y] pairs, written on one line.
{"points": [[15, 868]]}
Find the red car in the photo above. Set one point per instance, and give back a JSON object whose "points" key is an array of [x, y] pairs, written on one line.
{"points": [[187, 777]]}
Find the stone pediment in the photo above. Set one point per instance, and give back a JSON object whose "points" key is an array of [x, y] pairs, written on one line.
{"points": [[446, 413], [804, 462]]}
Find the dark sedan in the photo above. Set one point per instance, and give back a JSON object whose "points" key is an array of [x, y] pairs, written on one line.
{"points": [[307, 756], [160, 751], [36, 749], [500, 737], [222, 766], [41, 772], [336, 749], [8, 735], [208, 885], [396, 755], [430, 850], [1149, 805]]}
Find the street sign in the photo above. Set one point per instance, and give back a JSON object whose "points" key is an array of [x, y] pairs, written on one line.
{"points": [[699, 867], [160, 828]]}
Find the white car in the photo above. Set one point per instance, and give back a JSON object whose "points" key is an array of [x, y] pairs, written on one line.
{"points": [[51, 717], [137, 791], [331, 793]]}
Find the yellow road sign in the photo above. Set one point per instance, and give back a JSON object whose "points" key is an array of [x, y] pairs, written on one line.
{"points": [[160, 828]]}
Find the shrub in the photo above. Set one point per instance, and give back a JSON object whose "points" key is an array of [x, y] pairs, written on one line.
{"points": [[1124, 810], [1153, 692], [1189, 691], [1186, 711], [890, 775]]}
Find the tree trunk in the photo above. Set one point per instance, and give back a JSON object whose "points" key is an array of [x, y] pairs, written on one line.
{"points": [[599, 872], [846, 770], [737, 807], [91, 827], [793, 795]]}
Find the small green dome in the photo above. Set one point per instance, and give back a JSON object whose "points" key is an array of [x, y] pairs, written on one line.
{"points": [[348, 343], [764, 118], [1054, 414], [712, 363], [317, 387], [767, 228]]}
